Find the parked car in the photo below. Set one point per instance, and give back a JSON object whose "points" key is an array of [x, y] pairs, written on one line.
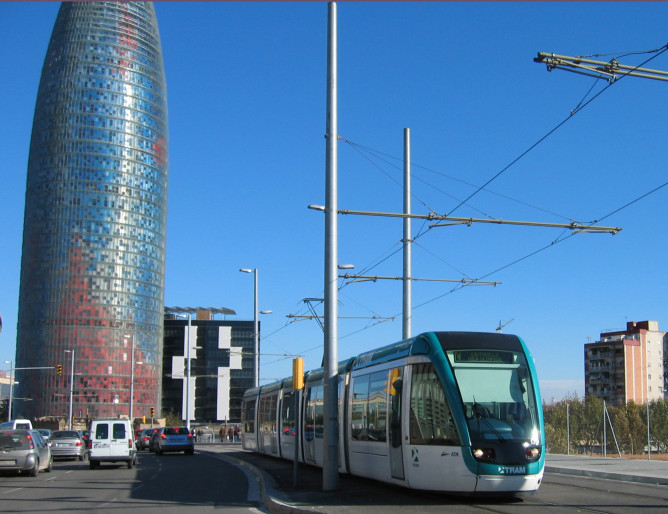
{"points": [[24, 451], [112, 440], [174, 439], [67, 444], [46, 433]]}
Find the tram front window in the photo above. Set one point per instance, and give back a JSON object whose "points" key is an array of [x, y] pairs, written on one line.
{"points": [[497, 393]]}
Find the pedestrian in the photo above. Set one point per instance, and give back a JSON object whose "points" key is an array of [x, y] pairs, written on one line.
{"points": [[230, 434], [221, 432], [237, 433]]}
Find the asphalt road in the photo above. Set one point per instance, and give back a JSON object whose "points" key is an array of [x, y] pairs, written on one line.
{"points": [[206, 482], [158, 484]]}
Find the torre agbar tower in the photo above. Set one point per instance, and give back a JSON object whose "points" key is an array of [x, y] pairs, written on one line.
{"points": [[93, 263]]}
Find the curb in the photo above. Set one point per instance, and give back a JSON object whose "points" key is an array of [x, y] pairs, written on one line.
{"points": [[608, 476], [265, 484]]}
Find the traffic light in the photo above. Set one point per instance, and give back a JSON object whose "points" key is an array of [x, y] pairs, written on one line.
{"points": [[143, 419], [298, 373], [152, 411], [59, 369]]}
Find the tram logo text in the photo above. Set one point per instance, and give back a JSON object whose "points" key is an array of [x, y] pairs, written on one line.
{"points": [[512, 470]]}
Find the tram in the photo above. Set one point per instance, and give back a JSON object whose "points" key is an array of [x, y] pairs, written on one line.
{"points": [[457, 412]]}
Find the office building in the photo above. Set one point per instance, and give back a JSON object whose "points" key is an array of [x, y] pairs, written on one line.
{"points": [[221, 364], [628, 365], [93, 261]]}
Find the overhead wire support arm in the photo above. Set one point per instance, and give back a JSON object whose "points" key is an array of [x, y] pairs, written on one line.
{"points": [[452, 220], [317, 316], [363, 278], [610, 71]]}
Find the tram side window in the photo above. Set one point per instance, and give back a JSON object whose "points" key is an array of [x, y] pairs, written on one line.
{"points": [[314, 413], [319, 411], [249, 416], [267, 415], [369, 407], [288, 415], [358, 413], [431, 418]]}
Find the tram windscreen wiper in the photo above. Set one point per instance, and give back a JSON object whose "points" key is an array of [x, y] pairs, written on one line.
{"points": [[479, 412]]}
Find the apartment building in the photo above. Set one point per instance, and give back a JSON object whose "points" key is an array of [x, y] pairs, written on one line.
{"points": [[628, 365]]}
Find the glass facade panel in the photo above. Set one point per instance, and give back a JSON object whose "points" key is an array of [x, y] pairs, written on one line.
{"points": [[93, 262]]}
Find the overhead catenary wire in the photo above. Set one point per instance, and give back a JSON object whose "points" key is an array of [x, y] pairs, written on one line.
{"points": [[559, 239]]}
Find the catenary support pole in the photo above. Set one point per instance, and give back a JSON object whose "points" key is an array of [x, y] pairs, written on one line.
{"points": [[407, 297], [330, 472]]}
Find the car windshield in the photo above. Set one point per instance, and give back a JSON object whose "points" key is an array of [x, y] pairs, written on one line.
{"points": [[65, 435], [497, 394]]}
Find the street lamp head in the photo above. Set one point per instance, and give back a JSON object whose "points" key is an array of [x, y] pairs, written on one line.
{"points": [[346, 266], [246, 270], [317, 207], [266, 312]]}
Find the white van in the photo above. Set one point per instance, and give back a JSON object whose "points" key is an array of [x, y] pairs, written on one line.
{"points": [[111, 440], [16, 424]]}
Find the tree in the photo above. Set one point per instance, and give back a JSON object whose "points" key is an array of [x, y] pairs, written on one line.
{"points": [[658, 420]]}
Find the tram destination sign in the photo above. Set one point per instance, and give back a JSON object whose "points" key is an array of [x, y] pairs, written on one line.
{"points": [[483, 357]]}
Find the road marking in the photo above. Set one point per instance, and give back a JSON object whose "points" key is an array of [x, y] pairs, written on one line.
{"points": [[13, 490], [49, 479], [107, 503]]}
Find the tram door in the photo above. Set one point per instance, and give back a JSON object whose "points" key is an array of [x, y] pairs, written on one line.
{"points": [[396, 453]]}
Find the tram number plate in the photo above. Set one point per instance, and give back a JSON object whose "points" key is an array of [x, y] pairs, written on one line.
{"points": [[512, 470]]}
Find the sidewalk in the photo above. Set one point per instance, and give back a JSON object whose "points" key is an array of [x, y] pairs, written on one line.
{"points": [[628, 470], [275, 480]]}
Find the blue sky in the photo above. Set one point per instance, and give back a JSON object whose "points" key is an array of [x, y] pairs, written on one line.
{"points": [[246, 91]]}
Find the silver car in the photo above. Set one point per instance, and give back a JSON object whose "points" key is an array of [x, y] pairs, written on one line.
{"points": [[24, 451], [174, 439], [67, 444]]}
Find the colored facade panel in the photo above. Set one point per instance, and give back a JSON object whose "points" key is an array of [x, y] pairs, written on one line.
{"points": [[93, 261], [221, 368]]}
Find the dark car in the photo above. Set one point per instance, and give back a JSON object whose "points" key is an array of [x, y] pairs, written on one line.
{"points": [[144, 440], [24, 451], [67, 444], [174, 439], [85, 436]]}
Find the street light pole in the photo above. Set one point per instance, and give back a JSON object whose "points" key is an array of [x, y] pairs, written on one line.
{"points": [[69, 420], [132, 376], [188, 343], [256, 335], [11, 389]]}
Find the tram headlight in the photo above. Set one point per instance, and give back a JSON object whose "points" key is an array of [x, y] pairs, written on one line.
{"points": [[532, 453], [485, 454]]}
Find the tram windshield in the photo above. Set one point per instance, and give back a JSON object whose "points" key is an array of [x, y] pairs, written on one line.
{"points": [[497, 393]]}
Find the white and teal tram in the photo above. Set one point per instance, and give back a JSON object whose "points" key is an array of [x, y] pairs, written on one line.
{"points": [[457, 412]]}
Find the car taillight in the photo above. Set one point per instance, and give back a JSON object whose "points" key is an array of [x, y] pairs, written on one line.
{"points": [[130, 443], [79, 443], [162, 436], [31, 442]]}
